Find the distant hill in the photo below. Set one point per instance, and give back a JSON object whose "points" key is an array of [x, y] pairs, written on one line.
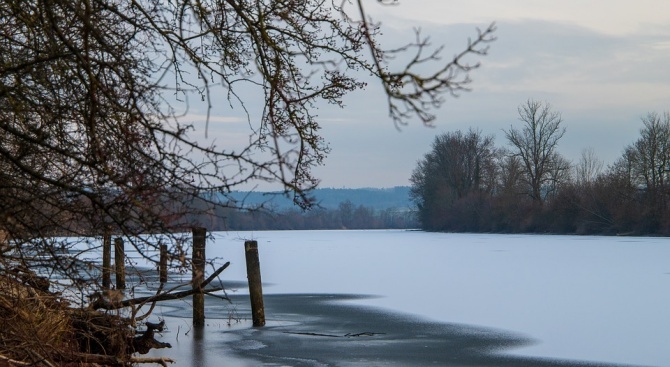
{"points": [[329, 198]]}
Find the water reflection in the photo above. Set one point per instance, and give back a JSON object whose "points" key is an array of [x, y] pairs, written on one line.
{"points": [[199, 355]]}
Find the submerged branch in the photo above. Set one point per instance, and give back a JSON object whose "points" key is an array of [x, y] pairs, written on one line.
{"points": [[165, 296]]}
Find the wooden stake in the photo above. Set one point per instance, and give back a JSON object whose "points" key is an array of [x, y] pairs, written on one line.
{"points": [[162, 266], [106, 259], [119, 258], [198, 261], [255, 287]]}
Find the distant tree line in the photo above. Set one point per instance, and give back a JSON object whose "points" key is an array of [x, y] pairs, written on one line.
{"points": [[466, 183], [329, 198], [345, 216]]}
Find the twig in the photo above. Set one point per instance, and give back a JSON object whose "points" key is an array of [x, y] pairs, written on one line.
{"points": [[13, 362]]}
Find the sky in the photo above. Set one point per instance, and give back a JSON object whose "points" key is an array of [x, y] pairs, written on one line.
{"points": [[602, 64]]}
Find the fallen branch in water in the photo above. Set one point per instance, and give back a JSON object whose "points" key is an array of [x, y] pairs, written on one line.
{"points": [[158, 360], [106, 360], [144, 343], [347, 335], [166, 296]]}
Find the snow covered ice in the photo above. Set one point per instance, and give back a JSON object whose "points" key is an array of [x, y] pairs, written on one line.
{"points": [[589, 298]]}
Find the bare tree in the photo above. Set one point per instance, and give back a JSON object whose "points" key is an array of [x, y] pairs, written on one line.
{"points": [[559, 174], [535, 144], [89, 118], [92, 91], [651, 152], [589, 167], [510, 174], [650, 162]]}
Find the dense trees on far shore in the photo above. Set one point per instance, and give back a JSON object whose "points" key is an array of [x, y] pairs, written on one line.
{"points": [[465, 183]]}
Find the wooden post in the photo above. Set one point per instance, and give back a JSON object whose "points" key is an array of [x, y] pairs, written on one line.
{"points": [[119, 258], [106, 259], [255, 287], [162, 266], [198, 261]]}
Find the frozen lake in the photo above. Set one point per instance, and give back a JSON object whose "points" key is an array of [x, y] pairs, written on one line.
{"points": [[585, 298], [589, 299]]}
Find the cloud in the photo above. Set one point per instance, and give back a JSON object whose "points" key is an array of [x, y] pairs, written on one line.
{"points": [[600, 79], [613, 17], [601, 82]]}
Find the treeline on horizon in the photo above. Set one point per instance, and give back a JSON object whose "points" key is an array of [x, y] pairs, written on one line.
{"points": [[346, 215], [466, 184], [328, 198]]}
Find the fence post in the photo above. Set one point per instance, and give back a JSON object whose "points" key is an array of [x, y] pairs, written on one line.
{"points": [[198, 261], [119, 257], [255, 287], [106, 259], [162, 266]]}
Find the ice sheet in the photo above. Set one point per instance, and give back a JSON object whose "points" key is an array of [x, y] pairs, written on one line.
{"points": [[587, 298]]}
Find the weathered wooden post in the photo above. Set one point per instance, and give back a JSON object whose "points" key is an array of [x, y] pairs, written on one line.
{"points": [[162, 265], [198, 260], [119, 257], [106, 259], [255, 287]]}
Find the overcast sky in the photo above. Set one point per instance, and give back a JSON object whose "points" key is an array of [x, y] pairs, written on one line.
{"points": [[602, 64]]}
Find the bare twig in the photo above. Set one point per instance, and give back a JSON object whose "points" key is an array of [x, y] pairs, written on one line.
{"points": [[12, 362]]}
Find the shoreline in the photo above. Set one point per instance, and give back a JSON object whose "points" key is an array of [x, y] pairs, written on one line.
{"points": [[327, 330]]}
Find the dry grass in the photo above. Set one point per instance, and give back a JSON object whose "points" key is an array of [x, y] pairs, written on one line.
{"points": [[35, 325], [42, 330]]}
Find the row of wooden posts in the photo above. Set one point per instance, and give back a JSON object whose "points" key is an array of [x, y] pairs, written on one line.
{"points": [[198, 272]]}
